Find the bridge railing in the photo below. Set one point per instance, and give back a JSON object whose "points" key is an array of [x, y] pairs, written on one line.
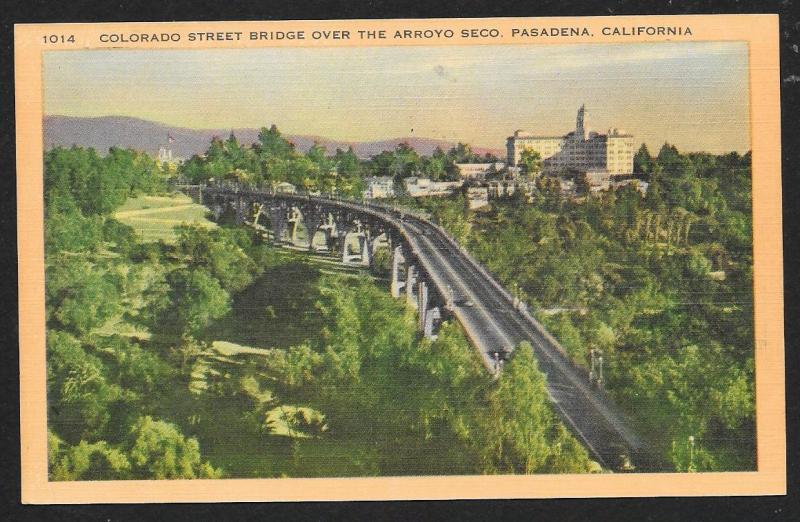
{"points": [[248, 188]]}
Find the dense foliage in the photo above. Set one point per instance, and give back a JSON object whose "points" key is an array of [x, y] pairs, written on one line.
{"points": [[136, 388], [273, 159], [333, 378], [661, 283]]}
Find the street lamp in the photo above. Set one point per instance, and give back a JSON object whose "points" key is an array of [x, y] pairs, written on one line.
{"points": [[596, 371], [691, 453], [515, 293], [600, 377]]}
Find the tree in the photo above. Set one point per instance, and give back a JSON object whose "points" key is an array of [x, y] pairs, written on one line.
{"points": [[66, 229], [79, 395], [435, 166], [523, 433], [216, 251], [158, 450], [531, 162], [643, 162], [271, 143], [85, 461], [197, 299], [80, 295], [406, 161]]}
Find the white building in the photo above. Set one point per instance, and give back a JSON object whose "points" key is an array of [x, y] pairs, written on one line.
{"points": [[477, 197], [417, 187], [580, 150], [379, 187], [286, 187], [479, 170]]}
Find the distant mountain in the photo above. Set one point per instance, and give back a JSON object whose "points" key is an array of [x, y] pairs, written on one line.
{"points": [[105, 132]]}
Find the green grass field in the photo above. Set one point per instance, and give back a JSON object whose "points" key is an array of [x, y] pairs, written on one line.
{"points": [[154, 217]]}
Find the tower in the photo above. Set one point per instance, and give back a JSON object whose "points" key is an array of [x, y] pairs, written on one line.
{"points": [[581, 124]]}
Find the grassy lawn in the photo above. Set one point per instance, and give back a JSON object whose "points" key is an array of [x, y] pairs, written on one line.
{"points": [[154, 217]]}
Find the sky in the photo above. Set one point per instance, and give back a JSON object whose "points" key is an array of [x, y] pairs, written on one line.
{"points": [[692, 94]]}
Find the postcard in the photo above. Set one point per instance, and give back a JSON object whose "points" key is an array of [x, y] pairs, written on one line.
{"points": [[400, 259]]}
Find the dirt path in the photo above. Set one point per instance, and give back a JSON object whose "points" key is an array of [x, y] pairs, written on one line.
{"points": [[147, 211]]}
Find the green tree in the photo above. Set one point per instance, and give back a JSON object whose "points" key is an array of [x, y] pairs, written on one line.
{"points": [[272, 143], [218, 252], [523, 433], [197, 299], [158, 450], [80, 295], [531, 162], [79, 396], [643, 162], [85, 461]]}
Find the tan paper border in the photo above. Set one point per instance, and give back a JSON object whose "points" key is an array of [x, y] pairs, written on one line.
{"points": [[761, 33]]}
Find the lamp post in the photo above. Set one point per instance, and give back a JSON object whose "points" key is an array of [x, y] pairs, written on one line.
{"points": [[600, 376], [596, 371], [691, 453]]}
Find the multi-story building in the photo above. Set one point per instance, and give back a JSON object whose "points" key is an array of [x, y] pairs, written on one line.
{"points": [[580, 150], [379, 187], [479, 170]]}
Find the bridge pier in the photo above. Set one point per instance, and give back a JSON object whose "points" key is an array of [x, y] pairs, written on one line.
{"points": [[312, 221], [276, 224], [396, 284], [342, 238], [411, 283], [294, 219], [432, 319], [347, 255], [422, 304], [217, 209], [367, 244]]}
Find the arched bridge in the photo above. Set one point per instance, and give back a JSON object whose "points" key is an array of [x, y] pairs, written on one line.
{"points": [[439, 278]]}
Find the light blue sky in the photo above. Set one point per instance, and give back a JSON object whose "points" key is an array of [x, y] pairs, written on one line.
{"points": [[695, 95]]}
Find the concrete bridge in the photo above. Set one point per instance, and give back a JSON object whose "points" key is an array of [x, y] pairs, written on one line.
{"points": [[440, 279]]}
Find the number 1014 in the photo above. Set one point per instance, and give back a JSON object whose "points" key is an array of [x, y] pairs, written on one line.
{"points": [[58, 38]]}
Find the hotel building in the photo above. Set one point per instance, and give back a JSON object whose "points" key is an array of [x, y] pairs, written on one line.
{"points": [[601, 155]]}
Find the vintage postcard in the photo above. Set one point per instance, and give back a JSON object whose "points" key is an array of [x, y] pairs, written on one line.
{"points": [[400, 259]]}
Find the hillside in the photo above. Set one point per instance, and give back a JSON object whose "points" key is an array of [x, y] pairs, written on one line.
{"points": [[108, 131]]}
